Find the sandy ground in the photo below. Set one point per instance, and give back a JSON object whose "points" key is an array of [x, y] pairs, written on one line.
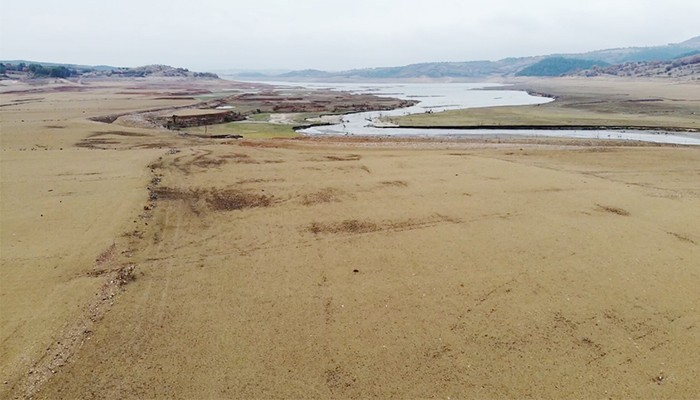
{"points": [[173, 267]]}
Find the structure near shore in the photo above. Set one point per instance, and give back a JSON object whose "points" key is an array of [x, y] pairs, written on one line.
{"points": [[190, 118]]}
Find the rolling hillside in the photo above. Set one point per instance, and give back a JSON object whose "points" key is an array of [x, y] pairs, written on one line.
{"points": [[507, 66]]}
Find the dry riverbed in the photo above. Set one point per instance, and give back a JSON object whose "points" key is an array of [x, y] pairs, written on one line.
{"points": [[143, 263]]}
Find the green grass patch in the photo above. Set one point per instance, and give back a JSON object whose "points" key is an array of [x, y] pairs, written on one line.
{"points": [[262, 117], [251, 130], [609, 114]]}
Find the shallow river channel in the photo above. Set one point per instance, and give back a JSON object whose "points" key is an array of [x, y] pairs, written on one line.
{"points": [[436, 97]]}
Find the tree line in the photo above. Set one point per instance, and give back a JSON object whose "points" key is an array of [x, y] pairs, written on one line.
{"points": [[38, 70]]}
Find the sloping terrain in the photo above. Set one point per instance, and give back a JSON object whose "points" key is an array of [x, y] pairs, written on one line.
{"points": [[681, 68], [505, 67]]}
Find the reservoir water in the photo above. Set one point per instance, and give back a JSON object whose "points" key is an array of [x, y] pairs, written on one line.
{"points": [[436, 97]]}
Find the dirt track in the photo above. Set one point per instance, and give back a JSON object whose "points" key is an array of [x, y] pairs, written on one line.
{"points": [[346, 269]]}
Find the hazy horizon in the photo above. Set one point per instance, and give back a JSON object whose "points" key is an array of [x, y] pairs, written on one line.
{"points": [[328, 35]]}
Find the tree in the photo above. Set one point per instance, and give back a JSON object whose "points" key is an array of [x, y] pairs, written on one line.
{"points": [[35, 69], [59, 72]]}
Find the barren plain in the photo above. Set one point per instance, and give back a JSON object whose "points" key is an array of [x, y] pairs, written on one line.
{"points": [[145, 263]]}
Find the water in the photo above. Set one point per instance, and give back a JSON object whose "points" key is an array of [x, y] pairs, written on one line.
{"points": [[436, 97]]}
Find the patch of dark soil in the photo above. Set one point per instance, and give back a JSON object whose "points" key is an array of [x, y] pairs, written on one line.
{"points": [[264, 144], [174, 98], [107, 119], [347, 226], [682, 238], [106, 256], [597, 150], [215, 199], [96, 143], [158, 145], [258, 180], [338, 379], [64, 89], [613, 210], [327, 195], [355, 226], [118, 133], [232, 199], [395, 183], [239, 158], [659, 378], [229, 136], [169, 193], [55, 126], [125, 275], [346, 157], [209, 162]]}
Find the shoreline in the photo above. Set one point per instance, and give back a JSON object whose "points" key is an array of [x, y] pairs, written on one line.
{"points": [[551, 127], [583, 104]]}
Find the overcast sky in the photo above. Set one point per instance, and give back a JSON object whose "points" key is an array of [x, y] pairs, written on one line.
{"points": [[329, 34]]}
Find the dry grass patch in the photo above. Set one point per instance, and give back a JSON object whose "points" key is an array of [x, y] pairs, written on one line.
{"points": [[347, 226]]}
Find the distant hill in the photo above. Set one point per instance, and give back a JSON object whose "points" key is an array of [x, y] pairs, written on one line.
{"points": [[683, 67], [156, 70], [307, 73], [635, 54], [507, 66], [70, 66], [24, 69], [557, 66]]}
